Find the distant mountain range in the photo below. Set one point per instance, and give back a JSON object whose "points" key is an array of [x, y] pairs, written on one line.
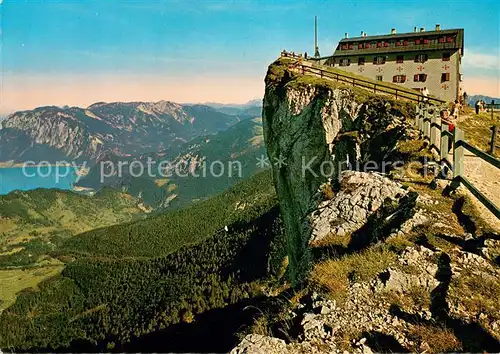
{"points": [[252, 103], [251, 108], [471, 100], [125, 129]]}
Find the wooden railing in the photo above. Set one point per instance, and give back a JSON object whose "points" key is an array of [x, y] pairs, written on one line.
{"points": [[494, 139], [492, 106], [321, 71], [435, 129]]}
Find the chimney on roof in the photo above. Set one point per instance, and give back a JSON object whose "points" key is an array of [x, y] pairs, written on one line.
{"points": [[346, 35], [438, 27], [415, 29], [362, 33], [393, 31], [422, 29]]}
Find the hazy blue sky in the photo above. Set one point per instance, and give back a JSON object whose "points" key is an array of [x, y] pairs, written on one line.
{"points": [[77, 52]]}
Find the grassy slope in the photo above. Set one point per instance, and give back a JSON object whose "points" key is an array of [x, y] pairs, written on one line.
{"points": [[45, 212], [477, 128], [32, 223], [15, 280]]}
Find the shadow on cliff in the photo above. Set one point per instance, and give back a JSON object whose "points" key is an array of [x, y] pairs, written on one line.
{"points": [[383, 343], [472, 336], [387, 219]]}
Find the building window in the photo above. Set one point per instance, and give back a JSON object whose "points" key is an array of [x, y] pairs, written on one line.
{"points": [[420, 77], [449, 39], [446, 56], [379, 77], [442, 39], [421, 58], [379, 44], [379, 60], [367, 45], [399, 79], [400, 59], [360, 46], [445, 77], [417, 41], [386, 44], [345, 62], [345, 46], [426, 41], [351, 46], [361, 61]]}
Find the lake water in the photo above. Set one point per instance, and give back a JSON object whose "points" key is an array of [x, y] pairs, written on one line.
{"points": [[12, 178]]}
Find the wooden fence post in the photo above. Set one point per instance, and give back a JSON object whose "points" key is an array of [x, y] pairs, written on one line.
{"points": [[445, 142], [427, 125], [422, 120], [435, 130], [458, 153], [494, 135], [424, 117], [417, 115]]}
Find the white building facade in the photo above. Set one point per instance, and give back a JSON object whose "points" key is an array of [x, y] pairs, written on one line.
{"points": [[415, 60]]}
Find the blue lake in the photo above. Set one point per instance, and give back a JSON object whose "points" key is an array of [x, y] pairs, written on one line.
{"points": [[26, 178]]}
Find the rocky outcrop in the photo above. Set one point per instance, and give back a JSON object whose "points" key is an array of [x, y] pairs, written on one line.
{"points": [[374, 323], [313, 129], [416, 268], [360, 196]]}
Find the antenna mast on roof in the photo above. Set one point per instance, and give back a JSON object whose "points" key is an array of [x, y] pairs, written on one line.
{"points": [[316, 48]]}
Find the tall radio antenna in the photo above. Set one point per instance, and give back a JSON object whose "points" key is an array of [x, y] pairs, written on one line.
{"points": [[316, 48]]}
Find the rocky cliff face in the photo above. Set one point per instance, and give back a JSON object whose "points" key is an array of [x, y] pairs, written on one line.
{"points": [[313, 129], [53, 127], [397, 263]]}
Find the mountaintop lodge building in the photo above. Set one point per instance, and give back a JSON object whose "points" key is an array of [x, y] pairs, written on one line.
{"points": [[414, 60]]}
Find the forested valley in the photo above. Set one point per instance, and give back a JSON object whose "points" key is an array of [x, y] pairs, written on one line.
{"points": [[123, 282]]}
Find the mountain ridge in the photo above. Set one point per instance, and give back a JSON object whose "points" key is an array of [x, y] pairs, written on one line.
{"points": [[122, 127]]}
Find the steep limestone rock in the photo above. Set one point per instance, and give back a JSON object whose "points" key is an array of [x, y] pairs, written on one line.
{"points": [[360, 196], [256, 344], [416, 268], [313, 129]]}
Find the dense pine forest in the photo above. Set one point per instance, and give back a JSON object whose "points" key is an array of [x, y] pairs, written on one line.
{"points": [[125, 281]]}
